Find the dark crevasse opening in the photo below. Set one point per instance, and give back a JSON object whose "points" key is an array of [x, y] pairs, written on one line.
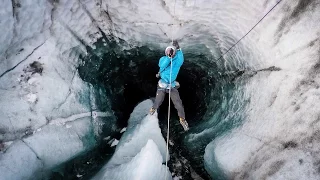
{"points": [[127, 77]]}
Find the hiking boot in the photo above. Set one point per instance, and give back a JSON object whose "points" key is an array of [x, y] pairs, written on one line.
{"points": [[184, 124], [152, 110]]}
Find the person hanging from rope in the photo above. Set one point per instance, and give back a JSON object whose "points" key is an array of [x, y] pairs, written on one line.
{"points": [[175, 54]]}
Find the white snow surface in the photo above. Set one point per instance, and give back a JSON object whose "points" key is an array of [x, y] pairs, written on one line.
{"points": [[146, 165], [141, 128], [123, 130], [141, 150], [114, 143], [283, 107]]}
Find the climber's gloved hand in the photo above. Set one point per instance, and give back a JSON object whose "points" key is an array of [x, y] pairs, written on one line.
{"points": [[176, 44], [158, 75]]}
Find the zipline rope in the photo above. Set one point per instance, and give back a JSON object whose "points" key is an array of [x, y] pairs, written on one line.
{"points": [[169, 107], [167, 150], [250, 30]]}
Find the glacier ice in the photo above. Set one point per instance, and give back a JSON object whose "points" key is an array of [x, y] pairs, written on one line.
{"points": [[147, 164], [32, 101], [19, 162], [260, 118], [140, 151]]}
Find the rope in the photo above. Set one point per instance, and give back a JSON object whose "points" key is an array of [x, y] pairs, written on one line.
{"points": [[174, 13], [249, 30], [169, 107]]}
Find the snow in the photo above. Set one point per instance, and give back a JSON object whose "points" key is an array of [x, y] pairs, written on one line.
{"points": [[123, 130], [106, 138], [139, 112], [32, 80], [140, 151], [32, 98], [141, 127], [146, 165], [114, 142]]}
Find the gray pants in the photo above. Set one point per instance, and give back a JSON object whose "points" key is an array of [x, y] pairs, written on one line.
{"points": [[175, 97]]}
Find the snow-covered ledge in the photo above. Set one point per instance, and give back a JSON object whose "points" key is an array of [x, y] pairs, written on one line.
{"points": [[141, 151]]}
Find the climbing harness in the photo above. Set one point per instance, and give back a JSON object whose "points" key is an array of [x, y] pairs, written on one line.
{"points": [[165, 86]]}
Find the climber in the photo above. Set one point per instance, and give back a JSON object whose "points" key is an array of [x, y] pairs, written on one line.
{"points": [[164, 85]]}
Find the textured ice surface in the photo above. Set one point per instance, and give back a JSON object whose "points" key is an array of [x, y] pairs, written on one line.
{"points": [[279, 109], [276, 140], [50, 146], [145, 165], [52, 111], [140, 151], [141, 127], [19, 162]]}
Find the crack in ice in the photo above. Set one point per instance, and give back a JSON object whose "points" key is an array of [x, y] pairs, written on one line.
{"points": [[22, 60], [62, 121], [32, 150]]}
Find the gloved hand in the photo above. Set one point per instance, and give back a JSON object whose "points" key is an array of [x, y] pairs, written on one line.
{"points": [[176, 44], [158, 75]]}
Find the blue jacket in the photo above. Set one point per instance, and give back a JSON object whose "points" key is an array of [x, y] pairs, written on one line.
{"points": [[164, 64]]}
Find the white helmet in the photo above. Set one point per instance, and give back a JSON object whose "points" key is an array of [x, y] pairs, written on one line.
{"points": [[170, 51]]}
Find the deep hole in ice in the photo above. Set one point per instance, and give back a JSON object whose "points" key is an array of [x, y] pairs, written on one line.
{"points": [[129, 78]]}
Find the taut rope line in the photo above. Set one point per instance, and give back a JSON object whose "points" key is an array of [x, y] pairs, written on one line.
{"points": [[169, 107]]}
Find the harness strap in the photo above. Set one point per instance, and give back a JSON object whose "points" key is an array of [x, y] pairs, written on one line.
{"points": [[164, 85]]}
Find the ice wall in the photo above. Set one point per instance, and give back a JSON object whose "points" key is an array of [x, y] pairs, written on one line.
{"points": [[279, 130], [277, 137], [48, 114]]}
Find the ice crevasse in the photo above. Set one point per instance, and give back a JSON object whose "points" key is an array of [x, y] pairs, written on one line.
{"points": [[65, 66]]}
